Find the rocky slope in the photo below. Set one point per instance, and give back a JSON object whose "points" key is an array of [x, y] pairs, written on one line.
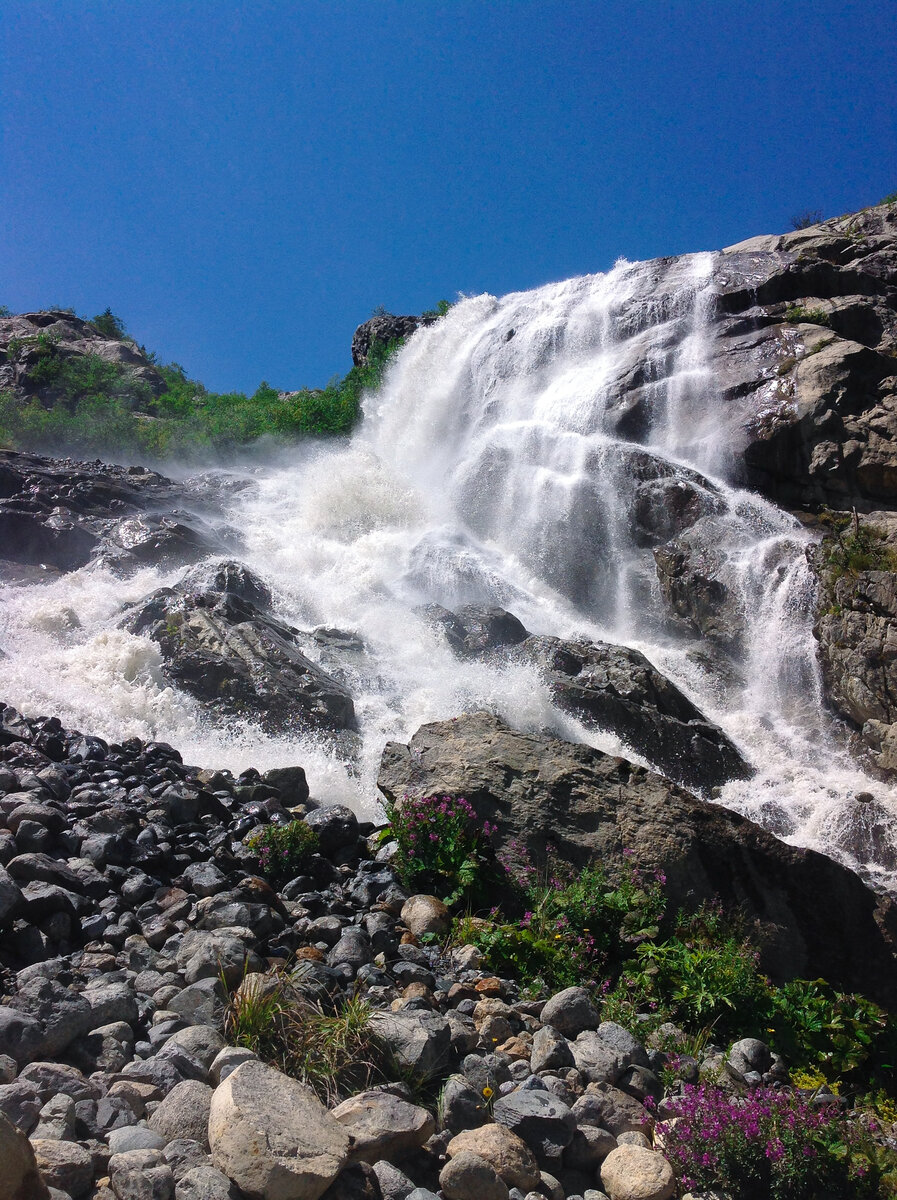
{"points": [[130, 908]]}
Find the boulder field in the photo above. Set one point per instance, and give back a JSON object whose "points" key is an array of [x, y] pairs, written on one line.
{"points": [[131, 910]]}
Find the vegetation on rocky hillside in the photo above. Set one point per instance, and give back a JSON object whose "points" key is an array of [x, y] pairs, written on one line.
{"points": [[83, 403]]}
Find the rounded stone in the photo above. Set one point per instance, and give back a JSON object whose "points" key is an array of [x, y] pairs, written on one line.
{"points": [[273, 1137], [425, 914], [469, 1177], [633, 1173], [507, 1154], [19, 1177]]}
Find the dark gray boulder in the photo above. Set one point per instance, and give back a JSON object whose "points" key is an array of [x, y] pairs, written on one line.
{"points": [[383, 329], [223, 650], [618, 690]]}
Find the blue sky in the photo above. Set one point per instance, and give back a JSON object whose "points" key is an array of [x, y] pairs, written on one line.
{"points": [[244, 182]]}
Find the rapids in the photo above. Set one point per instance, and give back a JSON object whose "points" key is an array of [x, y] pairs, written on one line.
{"points": [[497, 464]]}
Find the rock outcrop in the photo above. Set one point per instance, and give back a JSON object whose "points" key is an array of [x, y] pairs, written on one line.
{"points": [[383, 329], [221, 647], [27, 338], [62, 514], [540, 790]]}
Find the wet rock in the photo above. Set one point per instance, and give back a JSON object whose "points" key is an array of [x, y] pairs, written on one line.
{"points": [[382, 330], [618, 690], [225, 652], [475, 629]]}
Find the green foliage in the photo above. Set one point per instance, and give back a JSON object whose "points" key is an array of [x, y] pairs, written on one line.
{"points": [[440, 844], [283, 850], [706, 974], [796, 314], [109, 324], [854, 547], [5, 311], [889, 199], [89, 405], [440, 309], [575, 925], [845, 1036], [334, 1053]]}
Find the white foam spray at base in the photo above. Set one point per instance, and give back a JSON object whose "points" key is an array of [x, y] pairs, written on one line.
{"points": [[503, 461]]}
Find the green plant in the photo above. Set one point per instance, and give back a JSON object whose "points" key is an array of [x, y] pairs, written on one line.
{"points": [[5, 311], [283, 850], [796, 314], [803, 220], [772, 1144], [853, 547], [439, 310], [440, 843], [109, 324], [335, 1053], [891, 198], [844, 1036]]}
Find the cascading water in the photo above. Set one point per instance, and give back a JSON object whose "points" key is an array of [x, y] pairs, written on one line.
{"points": [[526, 452]]}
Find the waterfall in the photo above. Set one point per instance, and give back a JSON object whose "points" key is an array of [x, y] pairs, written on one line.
{"points": [[530, 451]]}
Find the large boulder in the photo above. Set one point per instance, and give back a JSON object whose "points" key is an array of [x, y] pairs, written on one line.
{"points": [[273, 1137], [63, 514], [222, 649], [19, 1178], [618, 690], [383, 1126], [817, 917]]}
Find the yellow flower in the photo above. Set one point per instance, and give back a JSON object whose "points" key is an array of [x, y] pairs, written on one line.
{"points": [[487, 1092]]}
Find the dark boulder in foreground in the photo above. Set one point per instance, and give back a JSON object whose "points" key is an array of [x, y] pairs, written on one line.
{"points": [[618, 689], [221, 648], [815, 915]]}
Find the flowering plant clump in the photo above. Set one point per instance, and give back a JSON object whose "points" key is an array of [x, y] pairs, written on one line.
{"points": [[770, 1143], [283, 850], [441, 842]]}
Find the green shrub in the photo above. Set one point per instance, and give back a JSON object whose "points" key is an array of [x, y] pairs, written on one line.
{"points": [[109, 324], [575, 927], [283, 850], [441, 844], [807, 218], [334, 1053], [796, 314], [849, 551]]}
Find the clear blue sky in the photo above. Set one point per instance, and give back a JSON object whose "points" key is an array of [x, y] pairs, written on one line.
{"points": [[244, 182]]}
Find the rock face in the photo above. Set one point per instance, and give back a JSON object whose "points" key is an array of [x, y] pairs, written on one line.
{"points": [[383, 329], [618, 690], [539, 789], [62, 514], [19, 1179], [219, 646], [31, 334], [273, 1137], [826, 413]]}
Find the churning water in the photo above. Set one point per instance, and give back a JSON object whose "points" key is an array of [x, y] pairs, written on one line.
{"points": [[501, 462]]}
